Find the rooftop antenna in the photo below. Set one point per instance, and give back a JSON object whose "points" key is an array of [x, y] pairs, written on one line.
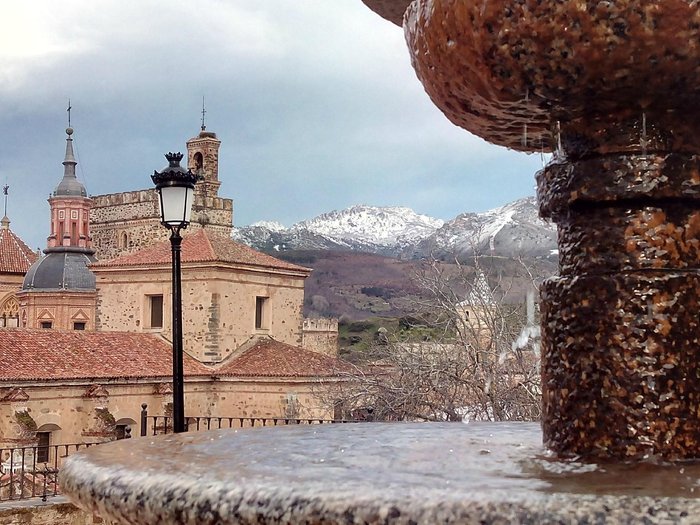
{"points": [[5, 191], [68, 110], [204, 112]]}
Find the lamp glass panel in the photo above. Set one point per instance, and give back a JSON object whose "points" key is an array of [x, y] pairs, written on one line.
{"points": [[188, 204], [173, 201]]}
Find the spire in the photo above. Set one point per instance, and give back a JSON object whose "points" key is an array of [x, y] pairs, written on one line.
{"points": [[69, 162], [70, 184], [204, 112], [5, 191]]}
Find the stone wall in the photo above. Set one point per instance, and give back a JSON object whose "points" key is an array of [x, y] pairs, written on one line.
{"points": [[218, 305], [49, 513], [80, 411], [321, 335], [62, 309], [125, 222]]}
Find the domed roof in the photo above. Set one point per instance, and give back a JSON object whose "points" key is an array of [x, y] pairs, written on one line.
{"points": [[70, 187], [61, 270]]}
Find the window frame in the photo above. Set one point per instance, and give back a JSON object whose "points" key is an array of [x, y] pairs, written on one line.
{"points": [[43, 449], [262, 312], [151, 311]]}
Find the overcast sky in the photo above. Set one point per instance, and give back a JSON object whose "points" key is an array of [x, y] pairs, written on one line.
{"points": [[315, 103]]}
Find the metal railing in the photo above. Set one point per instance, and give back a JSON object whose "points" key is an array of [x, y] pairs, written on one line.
{"points": [[155, 425], [32, 472]]}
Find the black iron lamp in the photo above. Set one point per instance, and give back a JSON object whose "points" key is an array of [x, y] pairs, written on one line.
{"points": [[175, 185]]}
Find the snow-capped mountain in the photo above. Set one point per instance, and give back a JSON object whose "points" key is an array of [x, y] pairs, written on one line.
{"points": [[510, 230], [383, 230], [389, 227], [513, 229]]}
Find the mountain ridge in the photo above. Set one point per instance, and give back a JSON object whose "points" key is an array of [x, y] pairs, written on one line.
{"points": [[510, 230]]}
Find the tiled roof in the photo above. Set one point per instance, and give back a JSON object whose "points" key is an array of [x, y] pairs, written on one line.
{"points": [[15, 256], [202, 246], [270, 358], [53, 354]]}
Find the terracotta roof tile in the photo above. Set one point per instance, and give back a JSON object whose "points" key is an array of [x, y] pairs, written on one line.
{"points": [[15, 256], [270, 358], [201, 246], [52, 354]]}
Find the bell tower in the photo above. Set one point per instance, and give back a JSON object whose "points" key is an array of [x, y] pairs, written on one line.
{"points": [[203, 160]]}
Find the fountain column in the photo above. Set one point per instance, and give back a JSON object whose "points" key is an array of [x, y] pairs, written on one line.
{"points": [[613, 88], [620, 325]]}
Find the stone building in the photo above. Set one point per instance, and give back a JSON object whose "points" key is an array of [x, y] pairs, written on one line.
{"points": [[126, 222], [59, 386], [15, 260], [58, 290], [231, 294], [94, 316]]}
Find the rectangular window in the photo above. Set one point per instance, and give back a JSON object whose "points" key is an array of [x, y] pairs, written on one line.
{"points": [[261, 321], [42, 450], [46, 324], [156, 311], [78, 326]]}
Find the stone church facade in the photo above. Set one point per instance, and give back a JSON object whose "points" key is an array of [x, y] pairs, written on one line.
{"points": [[122, 223], [90, 337]]}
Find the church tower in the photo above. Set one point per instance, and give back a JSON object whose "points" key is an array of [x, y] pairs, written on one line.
{"points": [[203, 160], [70, 209], [59, 289]]}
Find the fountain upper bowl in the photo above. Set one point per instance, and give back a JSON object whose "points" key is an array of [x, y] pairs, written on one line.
{"points": [[509, 70]]}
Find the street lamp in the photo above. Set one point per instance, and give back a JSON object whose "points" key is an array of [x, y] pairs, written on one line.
{"points": [[175, 185]]}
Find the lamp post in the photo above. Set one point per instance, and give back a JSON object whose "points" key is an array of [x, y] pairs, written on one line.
{"points": [[175, 186]]}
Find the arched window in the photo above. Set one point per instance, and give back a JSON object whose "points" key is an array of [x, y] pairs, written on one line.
{"points": [[121, 425], [198, 162], [43, 437], [123, 240], [9, 313]]}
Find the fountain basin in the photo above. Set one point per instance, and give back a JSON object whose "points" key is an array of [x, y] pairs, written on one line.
{"points": [[370, 473], [507, 70]]}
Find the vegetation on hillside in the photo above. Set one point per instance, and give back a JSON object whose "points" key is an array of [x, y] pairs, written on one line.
{"points": [[453, 357]]}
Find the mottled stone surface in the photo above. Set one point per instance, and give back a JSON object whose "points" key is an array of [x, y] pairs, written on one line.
{"points": [[620, 357], [611, 179], [507, 70], [611, 239], [613, 88], [369, 473], [392, 10]]}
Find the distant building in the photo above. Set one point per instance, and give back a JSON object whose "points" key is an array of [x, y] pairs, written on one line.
{"points": [[15, 260], [125, 222], [94, 318], [58, 291]]}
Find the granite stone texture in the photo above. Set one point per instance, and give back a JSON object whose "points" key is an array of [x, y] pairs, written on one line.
{"points": [[620, 360], [508, 70], [369, 473]]}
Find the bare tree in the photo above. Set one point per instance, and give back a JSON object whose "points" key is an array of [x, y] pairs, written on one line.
{"points": [[467, 355]]}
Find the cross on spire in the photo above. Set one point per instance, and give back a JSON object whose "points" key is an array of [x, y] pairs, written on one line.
{"points": [[204, 112], [68, 110]]}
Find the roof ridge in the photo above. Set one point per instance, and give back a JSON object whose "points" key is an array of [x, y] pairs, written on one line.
{"points": [[17, 249], [243, 349], [205, 233]]}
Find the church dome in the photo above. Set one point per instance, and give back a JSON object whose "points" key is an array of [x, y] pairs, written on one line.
{"points": [[61, 270], [70, 187]]}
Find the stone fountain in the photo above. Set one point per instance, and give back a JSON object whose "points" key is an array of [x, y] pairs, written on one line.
{"points": [[612, 88]]}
